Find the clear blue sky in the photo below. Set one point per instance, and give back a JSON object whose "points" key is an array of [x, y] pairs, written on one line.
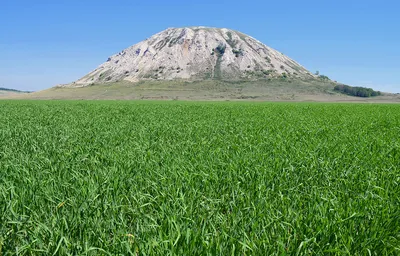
{"points": [[44, 43]]}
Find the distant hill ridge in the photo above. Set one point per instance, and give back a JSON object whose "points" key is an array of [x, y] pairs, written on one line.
{"points": [[13, 90]]}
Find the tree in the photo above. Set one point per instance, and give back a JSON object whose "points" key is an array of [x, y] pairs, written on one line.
{"points": [[322, 77], [356, 91]]}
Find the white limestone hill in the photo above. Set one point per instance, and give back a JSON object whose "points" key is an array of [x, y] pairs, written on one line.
{"points": [[195, 53]]}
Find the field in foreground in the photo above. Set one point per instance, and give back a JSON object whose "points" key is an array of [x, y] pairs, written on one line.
{"points": [[184, 178]]}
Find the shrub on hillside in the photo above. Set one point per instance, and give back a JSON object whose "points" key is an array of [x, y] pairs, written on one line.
{"points": [[322, 77], [356, 91], [237, 52], [221, 49]]}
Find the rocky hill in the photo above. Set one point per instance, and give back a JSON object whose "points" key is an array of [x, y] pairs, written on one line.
{"points": [[195, 53], [200, 63]]}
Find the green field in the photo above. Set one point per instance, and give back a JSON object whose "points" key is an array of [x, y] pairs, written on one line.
{"points": [[193, 178]]}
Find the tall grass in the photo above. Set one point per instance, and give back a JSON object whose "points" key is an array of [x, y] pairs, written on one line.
{"points": [[175, 178]]}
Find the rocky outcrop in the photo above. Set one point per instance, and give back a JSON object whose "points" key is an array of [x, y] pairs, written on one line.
{"points": [[195, 53]]}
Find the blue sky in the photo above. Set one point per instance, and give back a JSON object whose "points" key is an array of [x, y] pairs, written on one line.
{"points": [[44, 43]]}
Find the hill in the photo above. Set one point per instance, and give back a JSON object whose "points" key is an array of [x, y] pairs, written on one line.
{"points": [[200, 63], [196, 53]]}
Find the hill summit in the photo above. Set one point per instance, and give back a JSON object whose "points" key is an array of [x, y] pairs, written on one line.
{"points": [[195, 53]]}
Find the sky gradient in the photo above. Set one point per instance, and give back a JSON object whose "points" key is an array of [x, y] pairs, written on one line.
{"points": [[44, 43]]}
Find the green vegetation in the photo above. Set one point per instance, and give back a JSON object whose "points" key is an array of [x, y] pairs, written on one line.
{"points": [[356, 91], [186, 178], [269, 72], [232, 43], [13, 90], [323, 77], [161, 44], [220, 49], [174, 40], [237, 52]]}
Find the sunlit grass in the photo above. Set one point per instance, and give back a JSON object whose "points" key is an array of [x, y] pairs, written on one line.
{"points": [[183, 178]]}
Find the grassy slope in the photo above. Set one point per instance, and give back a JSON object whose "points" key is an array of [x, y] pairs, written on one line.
{"points": [[291, 89], [189, 178], [273, 90]]}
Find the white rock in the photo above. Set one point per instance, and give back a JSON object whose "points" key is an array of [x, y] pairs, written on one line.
{"points": [[192, 54]]}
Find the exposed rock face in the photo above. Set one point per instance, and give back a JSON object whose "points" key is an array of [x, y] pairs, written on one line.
{"points": [[195, 53]]}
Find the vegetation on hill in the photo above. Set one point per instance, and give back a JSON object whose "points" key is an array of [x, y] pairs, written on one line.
{"points": [[356, 91]]}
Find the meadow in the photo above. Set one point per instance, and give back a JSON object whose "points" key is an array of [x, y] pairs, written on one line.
{"points": [[199, 178]]}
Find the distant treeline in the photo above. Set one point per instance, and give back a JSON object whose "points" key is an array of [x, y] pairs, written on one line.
{"points": [[12, 90], [356, 91]]}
